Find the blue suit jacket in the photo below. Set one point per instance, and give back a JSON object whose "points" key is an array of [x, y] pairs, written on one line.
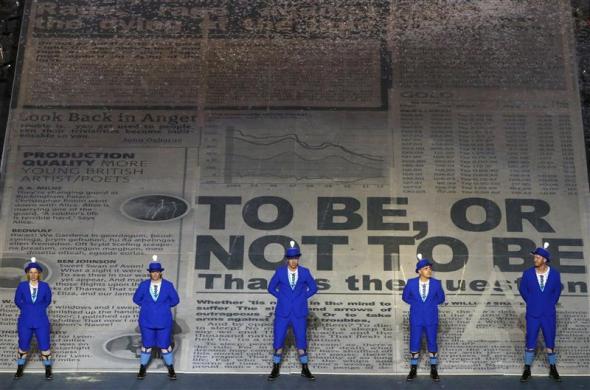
{"points": [[423, 312], [156, 314], [32, 315], [540, 303], [288, 299]]}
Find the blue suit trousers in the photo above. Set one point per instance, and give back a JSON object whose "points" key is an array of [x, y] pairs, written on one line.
{"points": [[152, 337], [416, 332], [548, 324], [25, 335], [299, 326]]}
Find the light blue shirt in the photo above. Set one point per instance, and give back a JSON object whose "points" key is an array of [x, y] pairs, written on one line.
{"points": [[293, 276], [155, 290], [542, 279], [34, 292], [424, 288]]}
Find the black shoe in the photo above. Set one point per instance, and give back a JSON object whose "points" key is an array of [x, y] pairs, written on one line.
{"points": [[434, 373], [526, 374], [306, 373], [141, 373], [413, 373], [171, 373], [274, 374], [20, 370], [48, 373], [553, 373]]}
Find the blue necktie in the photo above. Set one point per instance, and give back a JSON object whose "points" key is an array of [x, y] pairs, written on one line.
{"points": [[542, 282], [293, 281], [34, 295], [423, 292], [155, 291]]}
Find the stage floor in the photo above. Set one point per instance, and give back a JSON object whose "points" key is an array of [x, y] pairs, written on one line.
{"points": [[159, 381]]}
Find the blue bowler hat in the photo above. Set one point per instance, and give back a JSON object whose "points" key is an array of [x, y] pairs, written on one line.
{"points": [[33, 264], [155, 266], [422, 262], [292, 251], [543, 252]]}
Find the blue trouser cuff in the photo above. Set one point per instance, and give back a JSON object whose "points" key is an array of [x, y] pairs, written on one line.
{"points": [[552, 358], [414, 361], [529, 356], [433, 360], [46, 359], [21, 361], [276, 359], [303, 359], [145, 357], [168, 358]]}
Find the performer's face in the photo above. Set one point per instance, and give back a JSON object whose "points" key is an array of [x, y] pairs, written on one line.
{"points": [[33, 275], [539, 260], [292, 262], [155, 276], [425, 272]]}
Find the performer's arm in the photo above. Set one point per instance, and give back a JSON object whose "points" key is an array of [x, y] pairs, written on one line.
{"points": [[440, 295], [138, 296], [174, 298], [522, 289], [557, 291], [273, 284], [406, 295], [47, 298], [312, 287], [18, 298]]}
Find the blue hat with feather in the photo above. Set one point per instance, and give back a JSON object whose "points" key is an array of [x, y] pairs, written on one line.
{"points": [[422, 262], [293, 251], [155, 266], [543, 252], [33, 264]]}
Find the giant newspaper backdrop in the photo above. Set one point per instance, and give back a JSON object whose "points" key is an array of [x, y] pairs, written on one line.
{"points": [[212, 132]]}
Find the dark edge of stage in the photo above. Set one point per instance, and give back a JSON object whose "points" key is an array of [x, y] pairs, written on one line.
{"points": [[159, 380]]}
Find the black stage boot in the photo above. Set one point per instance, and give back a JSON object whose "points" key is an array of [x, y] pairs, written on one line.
{"points": [[20, 370], [274, 374], [413, 373], [553, 373], [434, 373], [141, 373], [306, 373], [48, 373], [171, 373], [526, 374]]}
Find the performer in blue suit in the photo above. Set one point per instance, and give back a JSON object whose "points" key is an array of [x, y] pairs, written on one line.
{"points": [[423, 294], [32, 298], [156, 296], [540, 287], [292, 285]]}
